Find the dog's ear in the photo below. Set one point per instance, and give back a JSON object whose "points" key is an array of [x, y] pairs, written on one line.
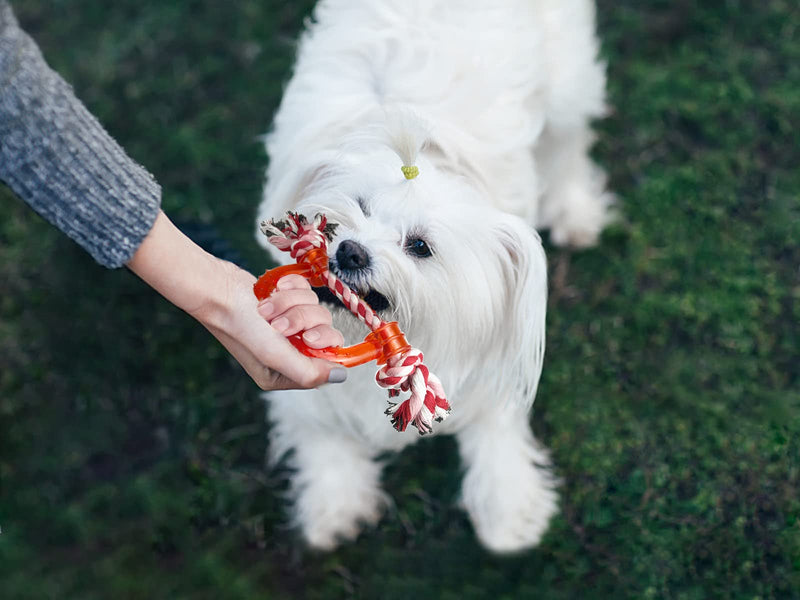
{"points": [[525, 272]]}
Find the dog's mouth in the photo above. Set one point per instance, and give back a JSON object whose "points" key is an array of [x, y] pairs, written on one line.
{"points": [[375, 299]]}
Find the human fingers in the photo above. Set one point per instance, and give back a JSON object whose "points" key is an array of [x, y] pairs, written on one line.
{"points": [[322, 336], [273, 363], [296, 310], [292, 282], [300, 318], [282, 300], [297, 370]]}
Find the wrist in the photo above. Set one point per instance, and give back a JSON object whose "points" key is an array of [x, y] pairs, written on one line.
{"points": [[185, 274]]}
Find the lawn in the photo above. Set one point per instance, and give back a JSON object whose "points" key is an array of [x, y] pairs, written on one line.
{"points": [[132, 447]]}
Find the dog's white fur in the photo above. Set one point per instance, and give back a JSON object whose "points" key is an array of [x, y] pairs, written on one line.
{"points": [[492, 100]]}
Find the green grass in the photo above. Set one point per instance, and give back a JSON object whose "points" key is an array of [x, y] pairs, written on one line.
{"points": [[131, 446]]}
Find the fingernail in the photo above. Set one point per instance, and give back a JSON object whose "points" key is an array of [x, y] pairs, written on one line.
{"points": [[280, 325], [337, 375], [266, 308], [311, 336]]}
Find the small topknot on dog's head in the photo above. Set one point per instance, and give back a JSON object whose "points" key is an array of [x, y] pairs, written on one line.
{"points": [[408, 135]]}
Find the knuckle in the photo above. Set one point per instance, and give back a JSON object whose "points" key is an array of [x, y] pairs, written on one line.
{"points": [[321, 315], [298, 317], [309, 317], [288, 300], [308, 379]]}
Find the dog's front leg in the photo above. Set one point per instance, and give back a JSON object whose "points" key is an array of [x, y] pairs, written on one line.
{"points": [[336, 483], [508, 489]]}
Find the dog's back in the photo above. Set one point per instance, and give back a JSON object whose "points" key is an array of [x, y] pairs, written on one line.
{"points": [[490, 75]]}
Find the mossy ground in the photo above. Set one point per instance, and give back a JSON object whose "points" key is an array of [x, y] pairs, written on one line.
{"points": [[131, 446]]}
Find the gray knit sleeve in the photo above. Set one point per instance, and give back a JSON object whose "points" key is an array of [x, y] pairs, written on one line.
{"points": [[58, 158]]}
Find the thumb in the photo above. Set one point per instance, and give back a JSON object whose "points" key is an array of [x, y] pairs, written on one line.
{"points": [[317, 373], [270, 379], [274, 364], [298, 371]]}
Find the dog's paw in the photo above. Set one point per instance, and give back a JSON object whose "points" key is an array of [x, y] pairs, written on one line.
{"points": [[329, 517], [582, 218], [515, 533], [510, 509], [336, 490], [574, 237]]}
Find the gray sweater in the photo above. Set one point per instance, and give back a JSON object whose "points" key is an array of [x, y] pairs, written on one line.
{"points": [[57, 157]]}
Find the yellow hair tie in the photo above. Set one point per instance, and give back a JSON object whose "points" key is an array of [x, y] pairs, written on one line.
{"points": [[410, 172]]}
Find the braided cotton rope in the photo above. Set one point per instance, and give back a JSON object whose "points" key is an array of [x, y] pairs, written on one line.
{"points": [[404, 372]]}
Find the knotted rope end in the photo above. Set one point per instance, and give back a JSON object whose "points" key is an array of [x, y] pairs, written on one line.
{"points": [[427, 402], [295, 224], [434, 409]]}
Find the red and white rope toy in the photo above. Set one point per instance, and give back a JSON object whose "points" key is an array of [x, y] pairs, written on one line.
{"points": [[404, 370]]}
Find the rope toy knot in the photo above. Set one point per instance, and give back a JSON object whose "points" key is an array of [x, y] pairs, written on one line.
{"points": [[427, 401], [297, 236], [410, 171]]}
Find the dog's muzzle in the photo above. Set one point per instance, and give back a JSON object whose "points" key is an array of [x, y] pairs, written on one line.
{"points": [[351, 265]]}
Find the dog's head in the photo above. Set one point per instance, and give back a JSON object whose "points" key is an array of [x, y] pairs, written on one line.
{"points": [[465, 281]]}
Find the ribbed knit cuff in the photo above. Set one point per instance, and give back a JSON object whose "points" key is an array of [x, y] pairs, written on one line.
{"points": [[58, 158]]}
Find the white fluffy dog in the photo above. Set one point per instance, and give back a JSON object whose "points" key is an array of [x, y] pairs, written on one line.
{"points": [[491, 99]]}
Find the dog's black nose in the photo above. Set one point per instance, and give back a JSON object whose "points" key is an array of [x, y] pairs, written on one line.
{"points": [[352, 256]]}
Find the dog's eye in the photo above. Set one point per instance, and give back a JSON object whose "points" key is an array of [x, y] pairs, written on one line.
{"points": [[418, 247]]}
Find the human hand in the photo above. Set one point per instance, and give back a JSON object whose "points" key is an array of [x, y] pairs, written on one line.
{"points": [[294, 307], [220, 296], [243, 326]]}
